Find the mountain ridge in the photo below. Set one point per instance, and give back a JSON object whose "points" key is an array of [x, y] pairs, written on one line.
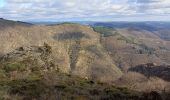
{"points": [[64, 40], [99, 53], [10, 23]]}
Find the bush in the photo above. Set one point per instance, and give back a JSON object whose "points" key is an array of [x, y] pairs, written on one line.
{"points": [[146, 49], [27, 88], [130, 40], [14, 67]]}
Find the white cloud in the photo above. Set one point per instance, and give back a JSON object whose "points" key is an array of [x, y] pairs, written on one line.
{"points": [[82, 9]]}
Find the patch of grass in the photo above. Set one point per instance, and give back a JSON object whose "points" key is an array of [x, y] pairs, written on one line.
{"points": [[35, 76], [17, 66], [2, 74], [27, 88], [121, 93], [3, 90], [66, 87], [127, 39], [106, 32]]}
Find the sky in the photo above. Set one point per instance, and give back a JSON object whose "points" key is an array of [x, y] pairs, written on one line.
{"points": [[85, 10]]}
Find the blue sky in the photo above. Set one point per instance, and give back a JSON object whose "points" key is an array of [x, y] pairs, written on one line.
{"points": [[1, 3], [85, 10]]}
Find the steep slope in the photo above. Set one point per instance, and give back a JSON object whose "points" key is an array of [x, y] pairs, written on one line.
{"points": [[130, 48], [99, 53], [31, 73], [40, 85], [138, 39], [76, 49]]}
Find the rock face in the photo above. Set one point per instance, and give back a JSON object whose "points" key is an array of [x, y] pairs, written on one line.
{"points": [[74, 49]]}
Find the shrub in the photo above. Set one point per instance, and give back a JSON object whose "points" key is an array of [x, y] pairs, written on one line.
{"points": [[146, 49], [27, 88], [14, 67], [127, 39]]}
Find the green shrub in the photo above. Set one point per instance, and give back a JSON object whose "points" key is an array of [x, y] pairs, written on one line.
{"points": [[70, 23], [106, 32], [146, 49], [27, 88], [36, 75], [2, 74], [127, 39], [14, 67]]}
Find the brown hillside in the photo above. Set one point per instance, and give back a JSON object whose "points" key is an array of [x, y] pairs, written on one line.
{"points": [[76, 49]]}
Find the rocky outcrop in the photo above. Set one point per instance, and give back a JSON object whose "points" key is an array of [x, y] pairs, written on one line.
{"points": [[31, 57]]}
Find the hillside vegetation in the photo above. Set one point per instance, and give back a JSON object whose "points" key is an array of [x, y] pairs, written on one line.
{"points": [[35, 76], [72, 61]]}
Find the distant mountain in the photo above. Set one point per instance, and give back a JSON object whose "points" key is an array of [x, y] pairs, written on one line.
{"points": [[161, 29], [9, 23], [44, 23], [60, 22], [150, 26]]}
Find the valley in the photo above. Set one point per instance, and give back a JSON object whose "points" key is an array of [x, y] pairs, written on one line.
{"points": [[104, 61]]}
